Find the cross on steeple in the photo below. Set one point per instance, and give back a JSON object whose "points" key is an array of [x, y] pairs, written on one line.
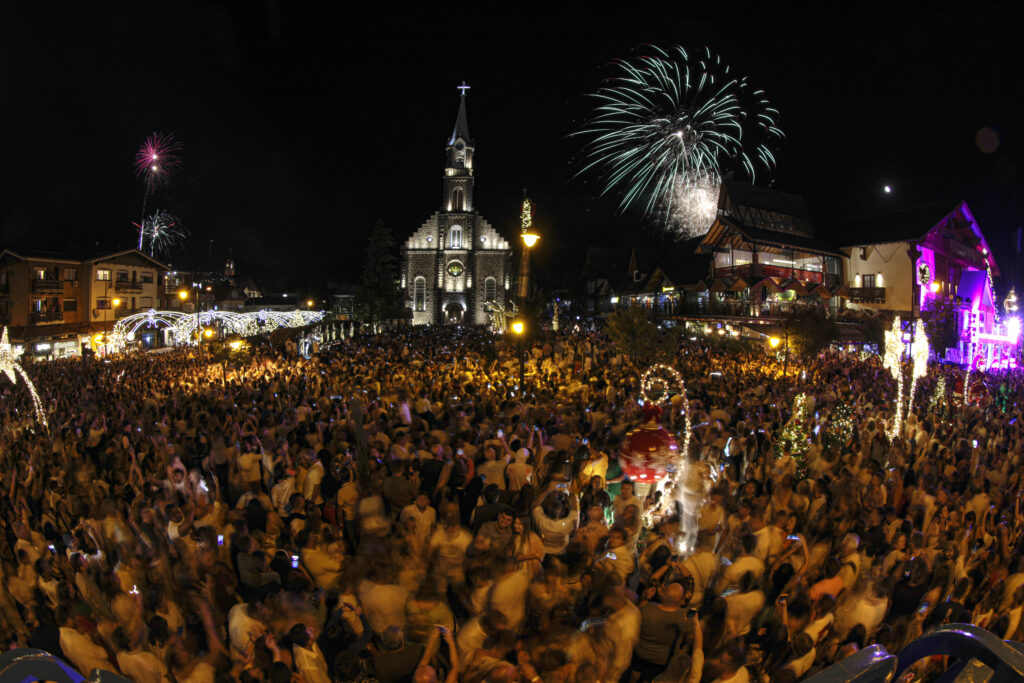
{"points": [[463, 88]]}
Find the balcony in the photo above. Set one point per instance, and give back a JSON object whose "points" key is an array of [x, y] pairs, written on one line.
{"points": [[867, 295], [123, 286], [50, 286], [44, 317]]}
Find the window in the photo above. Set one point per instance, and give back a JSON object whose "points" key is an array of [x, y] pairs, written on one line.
{"points": [[868, 280], [103, 274], [122, 276], [419, 294], [490, 289], [70, 274], [455, 237], [147, 277], [103, 304], [458, 199], [40, 273], [70, 305]]}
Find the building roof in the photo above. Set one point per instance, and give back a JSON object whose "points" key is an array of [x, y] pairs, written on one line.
{"points": [[47, 255], [765, 198], [461, 129], [906, 225], [784, 240]]}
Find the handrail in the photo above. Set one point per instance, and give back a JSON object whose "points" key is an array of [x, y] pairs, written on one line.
{"points": [[870, 665]]}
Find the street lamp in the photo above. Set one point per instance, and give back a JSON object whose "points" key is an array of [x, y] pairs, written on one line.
{"points": [[774, 342], [518, 328], [529, 239], [309, 303]]}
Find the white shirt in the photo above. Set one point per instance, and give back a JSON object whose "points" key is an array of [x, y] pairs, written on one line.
{"points": [[383, 604], [242, 629], [141, 666], [509, 598], [424, 519], [83, 653], [554, 533]]}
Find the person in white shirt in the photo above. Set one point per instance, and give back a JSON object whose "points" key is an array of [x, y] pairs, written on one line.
{"points": [[619, 559], [422, 515], [746, 562], [383, 601], [701, 566], [508, 595], [79, 648], [730, 666], [309, 660], [741, 607], [623, 630], [555, 521], [246, 623], [138, 664]]}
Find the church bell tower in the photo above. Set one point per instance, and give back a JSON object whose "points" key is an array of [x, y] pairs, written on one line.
{"points": [[458, 172]]}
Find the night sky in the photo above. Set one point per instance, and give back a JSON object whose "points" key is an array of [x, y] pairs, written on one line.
{"points": [[305, 122]]}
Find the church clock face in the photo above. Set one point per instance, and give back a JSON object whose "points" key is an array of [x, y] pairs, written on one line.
{"points": [[455, 269]]}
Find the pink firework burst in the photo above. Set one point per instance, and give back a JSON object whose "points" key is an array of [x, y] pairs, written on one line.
{"points": [[158, 158]]}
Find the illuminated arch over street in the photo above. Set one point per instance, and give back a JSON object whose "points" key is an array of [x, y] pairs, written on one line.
{"points": [[184, 327]]}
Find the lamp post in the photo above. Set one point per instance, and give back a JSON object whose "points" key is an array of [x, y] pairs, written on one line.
{"points": [[518, 328], [529, 239]]}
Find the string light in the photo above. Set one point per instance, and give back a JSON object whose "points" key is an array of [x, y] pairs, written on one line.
{"points": [[919, 351], [669, 378], [9, 366], [840, 426], [892, 362], [186, 325], [794, 438], [938, 399]]}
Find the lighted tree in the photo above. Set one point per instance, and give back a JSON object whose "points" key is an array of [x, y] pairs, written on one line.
{"points": [[794, 439]]}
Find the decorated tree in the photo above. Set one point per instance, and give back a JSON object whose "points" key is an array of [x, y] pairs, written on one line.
{"points": [[840, 426], [794, 439]]}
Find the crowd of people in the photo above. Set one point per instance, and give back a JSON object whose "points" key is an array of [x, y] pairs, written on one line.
{"points": [[398, 508]]}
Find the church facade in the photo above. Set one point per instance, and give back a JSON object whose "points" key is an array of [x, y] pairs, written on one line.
{"points": [[455, 262]]}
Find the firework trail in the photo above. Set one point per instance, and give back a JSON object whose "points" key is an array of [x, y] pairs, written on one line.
{"points": [[668, 127], [156, 161], [163, 231]]}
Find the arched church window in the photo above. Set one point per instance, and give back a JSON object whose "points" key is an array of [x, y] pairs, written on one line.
{"points": [[419, 294], [455, 237], [458, 199], [460, 162], [490, 289]]}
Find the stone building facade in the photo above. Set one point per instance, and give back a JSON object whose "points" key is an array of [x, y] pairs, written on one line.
{"points": [[455, 262]]}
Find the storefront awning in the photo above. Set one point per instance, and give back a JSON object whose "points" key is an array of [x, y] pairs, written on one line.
{"points": [[698, 286], [719, 285], [769, 283], [738, 285], [796, 286], [841, 291], [34, 332], [822, 291]]}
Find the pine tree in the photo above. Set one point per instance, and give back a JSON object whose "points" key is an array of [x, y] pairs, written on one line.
{"points": [[379, 297]]}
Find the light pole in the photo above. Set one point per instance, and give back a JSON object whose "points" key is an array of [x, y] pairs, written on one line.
{"points": [[518, 328], [529, 239]]}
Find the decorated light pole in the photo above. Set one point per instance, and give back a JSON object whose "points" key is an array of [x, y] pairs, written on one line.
{"points": [[529, 239]]}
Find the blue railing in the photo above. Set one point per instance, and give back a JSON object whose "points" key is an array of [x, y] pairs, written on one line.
{"points": [[977, 656]]}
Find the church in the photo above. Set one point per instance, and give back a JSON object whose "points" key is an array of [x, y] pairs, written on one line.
{"points": [[456, 262]]}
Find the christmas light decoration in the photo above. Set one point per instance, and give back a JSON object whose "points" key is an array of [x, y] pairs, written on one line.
{"points": [[840, 426], [919, 351], [795, 439], [185, 326], [937, 402], [9, 366], [892, 362]]}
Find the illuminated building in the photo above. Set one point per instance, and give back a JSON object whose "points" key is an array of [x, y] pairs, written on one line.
{"points": [[455, 262]]}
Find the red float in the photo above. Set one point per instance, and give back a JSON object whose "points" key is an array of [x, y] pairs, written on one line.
{"points": [[650, 453]]}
